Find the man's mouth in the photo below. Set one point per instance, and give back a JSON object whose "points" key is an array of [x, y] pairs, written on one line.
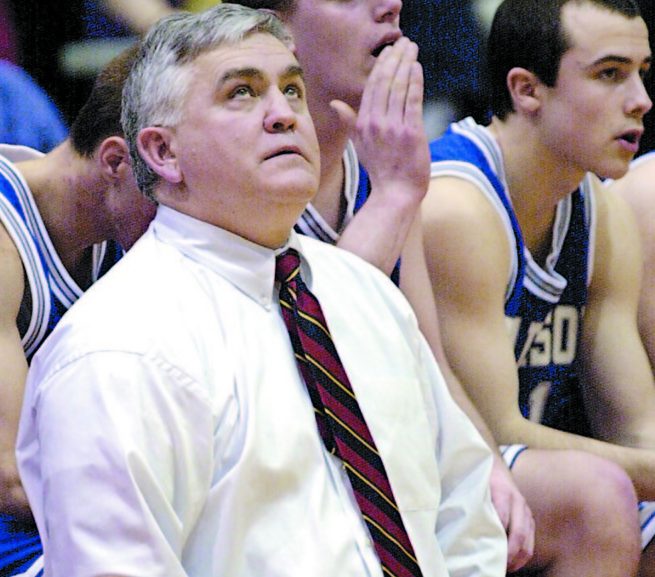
{"points": [[388, 40], [380, 48], [630, 139], [291, 150]]}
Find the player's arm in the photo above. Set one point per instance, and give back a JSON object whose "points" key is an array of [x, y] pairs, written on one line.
{"points": [[638, 189], [510, 505], [13, 369], [468, 255], [391, 144], [619, 388]]}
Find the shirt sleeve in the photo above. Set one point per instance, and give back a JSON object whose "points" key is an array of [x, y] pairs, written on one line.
{"points": [[472, 539], [122, 465]]}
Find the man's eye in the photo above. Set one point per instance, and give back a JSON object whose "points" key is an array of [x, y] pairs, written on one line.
{"points": [[614, 74], [293, 90], [242, 92], [609, 73]]}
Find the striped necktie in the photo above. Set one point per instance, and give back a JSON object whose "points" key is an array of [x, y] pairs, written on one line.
{"points": [[340, 421]]}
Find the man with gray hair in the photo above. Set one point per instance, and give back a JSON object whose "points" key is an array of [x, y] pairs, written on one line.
{"points": [[222, 426]]}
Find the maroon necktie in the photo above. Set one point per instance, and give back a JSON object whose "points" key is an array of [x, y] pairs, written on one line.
{"points": [[340, 421]]}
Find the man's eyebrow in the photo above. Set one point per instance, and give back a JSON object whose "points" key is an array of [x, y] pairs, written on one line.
{"points": [[616, 59], [247, 72], [250, 73], [293, 70]]}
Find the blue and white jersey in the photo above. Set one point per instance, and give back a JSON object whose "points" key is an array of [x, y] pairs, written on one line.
{"points": [[356, 190], [49, 292], [52, 291], [544, 305]]}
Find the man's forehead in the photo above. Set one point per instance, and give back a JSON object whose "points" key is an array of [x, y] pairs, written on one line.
{"points": [[596, 29], [258, 52]]}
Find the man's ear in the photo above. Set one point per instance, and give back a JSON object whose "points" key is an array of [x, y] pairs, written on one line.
{"points": [[154, 145], [523, 87], [114, 157]]}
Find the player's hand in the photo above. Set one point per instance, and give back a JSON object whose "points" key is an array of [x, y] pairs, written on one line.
{"points": [[514, 514], [388, 131]]}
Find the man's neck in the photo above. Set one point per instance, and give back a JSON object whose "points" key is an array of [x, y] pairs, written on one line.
{"points": [[70, 201], [535, 173], [267, 224], [537, 180]]}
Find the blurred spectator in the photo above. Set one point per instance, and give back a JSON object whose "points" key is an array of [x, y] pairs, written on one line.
{"points": [[63, 45], [27, 115], [111, 18], [43, 28], [107, 28], [127, 17]]}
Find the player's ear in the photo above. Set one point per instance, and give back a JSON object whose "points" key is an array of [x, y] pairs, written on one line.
{"points": [[114, 157], [523, 87], [155, 145]]}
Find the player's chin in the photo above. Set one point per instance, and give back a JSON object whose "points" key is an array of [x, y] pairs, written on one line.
{"points": [[617, 171], [614, 167]]}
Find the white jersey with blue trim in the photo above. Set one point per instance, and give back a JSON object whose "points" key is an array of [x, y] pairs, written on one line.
{"points": [[312, 224], [544, 305], [50, 291], [537, 298]]}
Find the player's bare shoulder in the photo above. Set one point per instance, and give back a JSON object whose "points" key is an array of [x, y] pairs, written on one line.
{"points": [[617, 247], [12, 279], [462, 228], [637, 187]]}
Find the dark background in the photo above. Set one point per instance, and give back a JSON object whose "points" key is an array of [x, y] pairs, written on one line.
{"points": [[451, 42]]}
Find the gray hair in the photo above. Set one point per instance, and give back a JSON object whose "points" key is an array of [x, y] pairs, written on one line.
{"points": [[156, 87]]}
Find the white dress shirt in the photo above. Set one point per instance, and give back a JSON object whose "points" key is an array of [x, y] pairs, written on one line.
{"points": [[166, 430]]}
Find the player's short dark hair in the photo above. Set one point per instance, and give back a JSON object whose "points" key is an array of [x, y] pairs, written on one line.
{"points": [[100, 116], [529, 34]]}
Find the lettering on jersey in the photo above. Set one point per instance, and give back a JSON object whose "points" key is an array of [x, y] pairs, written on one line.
{"points": [[537, 401], [565, 334], [555, 340]]}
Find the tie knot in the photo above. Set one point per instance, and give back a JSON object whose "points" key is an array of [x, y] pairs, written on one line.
{"points": [[287, 265]]}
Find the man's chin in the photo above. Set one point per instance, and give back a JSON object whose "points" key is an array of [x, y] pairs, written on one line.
{"points": [[615, 171], [296, 188]]}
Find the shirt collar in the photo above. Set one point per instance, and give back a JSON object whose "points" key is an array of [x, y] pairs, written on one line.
{"points": [[249, 267]]}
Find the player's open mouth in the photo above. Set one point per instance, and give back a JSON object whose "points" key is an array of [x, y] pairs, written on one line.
{"points": [[388, 40], [630, 139], [380, 48]]}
